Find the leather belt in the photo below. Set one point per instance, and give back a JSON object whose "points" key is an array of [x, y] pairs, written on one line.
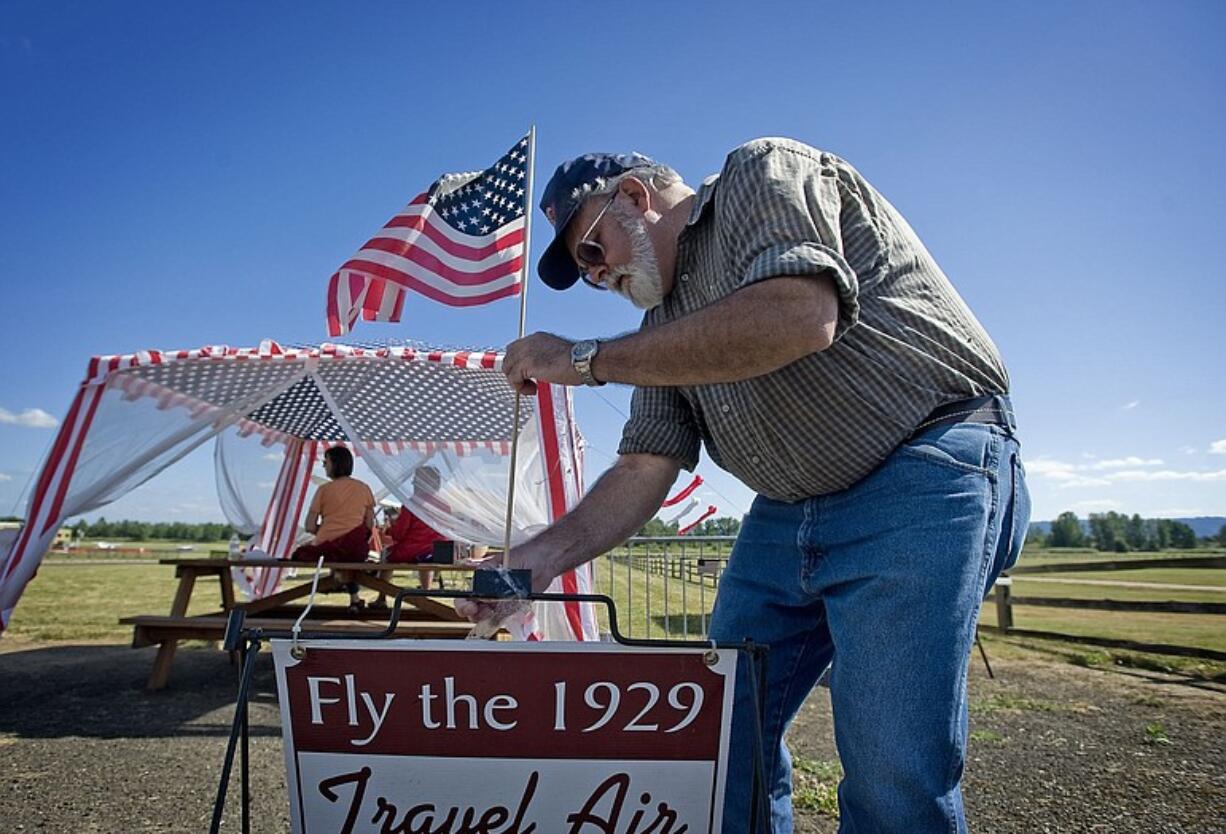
{"points": [[995, 410]]}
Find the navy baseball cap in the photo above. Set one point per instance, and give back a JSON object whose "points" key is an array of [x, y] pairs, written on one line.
{"points": [[563, 195]]}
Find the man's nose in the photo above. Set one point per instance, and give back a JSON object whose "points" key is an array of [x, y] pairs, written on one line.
{"points": [[597, 274]]}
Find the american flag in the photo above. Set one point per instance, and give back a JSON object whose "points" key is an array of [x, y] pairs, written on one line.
{"points": [[461, 243]]}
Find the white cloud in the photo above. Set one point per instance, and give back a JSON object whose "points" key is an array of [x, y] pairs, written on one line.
{"points": [[4, 477], [1096, 505], [1130, 406], [1120, 463], [1048, 467], [273, 456], [1115, 470], [1066, 475], [1079, 481], [1133, 475], [34, 418], [1218, 447], [1188, 450]]}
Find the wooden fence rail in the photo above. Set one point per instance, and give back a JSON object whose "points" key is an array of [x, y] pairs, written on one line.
{"points": [[1124, 564], [1118, 605]]}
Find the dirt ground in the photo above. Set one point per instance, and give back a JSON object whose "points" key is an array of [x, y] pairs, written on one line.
{"points": [[1054, 747]]}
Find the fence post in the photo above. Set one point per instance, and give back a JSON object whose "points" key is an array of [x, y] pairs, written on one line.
{"points": [[1004, 605]]}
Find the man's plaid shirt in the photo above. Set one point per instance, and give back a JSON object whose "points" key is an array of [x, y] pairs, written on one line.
{"points": [[905, 341]]}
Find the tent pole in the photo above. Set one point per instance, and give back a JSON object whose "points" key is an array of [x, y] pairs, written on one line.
{"points": [[523, 314]]}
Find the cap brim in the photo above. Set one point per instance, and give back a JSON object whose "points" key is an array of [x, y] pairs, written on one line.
{"points": [[556, 267]]}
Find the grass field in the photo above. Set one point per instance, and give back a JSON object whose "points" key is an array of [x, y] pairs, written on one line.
{"points": [[1194, 630], [85, 602], [648, 605]]}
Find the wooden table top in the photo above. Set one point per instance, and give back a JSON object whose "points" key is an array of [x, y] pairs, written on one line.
{"points": [[269, 562]]}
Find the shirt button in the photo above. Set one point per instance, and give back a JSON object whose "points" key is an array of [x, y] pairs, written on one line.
{"points": [[725, 408], [685, 276], [755, 459]]}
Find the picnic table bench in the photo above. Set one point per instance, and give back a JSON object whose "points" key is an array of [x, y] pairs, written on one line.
{"points": [[420, 617]]}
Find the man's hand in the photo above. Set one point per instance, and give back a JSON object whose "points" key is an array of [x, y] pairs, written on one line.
{"points": [[619, 503], [539, 356], [525, 556]]}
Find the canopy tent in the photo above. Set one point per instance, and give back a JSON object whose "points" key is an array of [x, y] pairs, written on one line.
{"points": [[399, 408]]}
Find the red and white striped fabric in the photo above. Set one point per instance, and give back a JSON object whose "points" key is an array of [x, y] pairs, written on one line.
{"points": [[460, 243], [281, 520], [429, 447], [684, 493], [687, 528], [563, 464], [44, 512], [102, 367]]}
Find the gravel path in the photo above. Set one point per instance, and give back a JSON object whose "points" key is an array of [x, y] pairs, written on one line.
{"points": [[1054, 747]]}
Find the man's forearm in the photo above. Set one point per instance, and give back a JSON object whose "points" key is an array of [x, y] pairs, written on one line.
{"points": [[751, 332], [618, 505]]}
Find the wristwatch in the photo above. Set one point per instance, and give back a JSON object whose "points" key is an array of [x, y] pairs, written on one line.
{"points": [[581, 356]]}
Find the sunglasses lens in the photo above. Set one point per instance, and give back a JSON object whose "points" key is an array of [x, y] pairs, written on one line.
{"points": [[590, 255], [590, 252]]}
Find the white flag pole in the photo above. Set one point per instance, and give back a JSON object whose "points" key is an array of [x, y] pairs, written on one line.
{"points": [[523, 313]]}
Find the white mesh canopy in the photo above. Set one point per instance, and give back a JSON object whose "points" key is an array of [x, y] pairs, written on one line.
{"points": [[274, 410]]}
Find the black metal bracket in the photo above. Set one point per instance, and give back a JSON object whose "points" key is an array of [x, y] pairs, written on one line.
{"points": [[502, 584]]}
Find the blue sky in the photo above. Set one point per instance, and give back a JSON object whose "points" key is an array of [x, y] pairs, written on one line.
{"points": [[183, 174]]}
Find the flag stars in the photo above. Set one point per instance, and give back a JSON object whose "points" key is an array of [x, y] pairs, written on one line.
{"points": [[488, 200]]}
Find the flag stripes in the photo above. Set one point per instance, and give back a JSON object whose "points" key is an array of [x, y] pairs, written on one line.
{"points": [[460, 243]]}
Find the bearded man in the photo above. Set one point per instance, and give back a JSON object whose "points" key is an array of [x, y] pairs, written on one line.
{"points": [[797, 327]]}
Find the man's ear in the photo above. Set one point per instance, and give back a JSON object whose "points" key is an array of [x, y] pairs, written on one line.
{"points": [[635, 189]]}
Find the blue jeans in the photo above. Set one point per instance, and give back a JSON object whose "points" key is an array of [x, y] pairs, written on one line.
{"points": [[885, 579]]}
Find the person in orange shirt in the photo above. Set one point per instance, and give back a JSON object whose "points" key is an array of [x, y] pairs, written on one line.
{"points": [[341, 516]]}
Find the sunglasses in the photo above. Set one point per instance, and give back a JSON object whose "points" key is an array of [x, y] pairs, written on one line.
{"points": [[590, 254]]}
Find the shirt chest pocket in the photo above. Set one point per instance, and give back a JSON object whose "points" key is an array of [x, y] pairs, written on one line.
{"points": [[740, 427]]}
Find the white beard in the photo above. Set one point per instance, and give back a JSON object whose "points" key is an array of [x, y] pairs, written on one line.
{"points": [[638, 281]]}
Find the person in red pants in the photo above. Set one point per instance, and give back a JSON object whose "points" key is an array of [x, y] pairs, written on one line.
{"points": [[411, 539], [341, 516]]}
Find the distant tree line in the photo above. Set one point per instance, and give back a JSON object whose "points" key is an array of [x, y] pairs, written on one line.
{"points": [[144, 530], [1118, 533], [722, 526]]}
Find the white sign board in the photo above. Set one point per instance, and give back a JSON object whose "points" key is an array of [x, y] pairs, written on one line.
{"points": [[450, 737]]}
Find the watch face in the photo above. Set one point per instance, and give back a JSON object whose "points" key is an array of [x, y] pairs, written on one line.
{"points": [[581, 359]]}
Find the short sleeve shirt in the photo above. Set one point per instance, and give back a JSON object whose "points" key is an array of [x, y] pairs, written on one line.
{"points": [[905, 341], [342, 504], [412, 538]]}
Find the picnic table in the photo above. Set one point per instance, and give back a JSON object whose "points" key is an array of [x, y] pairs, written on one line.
{"points": [[420, 616]]}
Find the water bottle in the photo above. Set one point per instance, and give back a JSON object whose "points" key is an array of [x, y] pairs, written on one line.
{"points": [[234, 547]]}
